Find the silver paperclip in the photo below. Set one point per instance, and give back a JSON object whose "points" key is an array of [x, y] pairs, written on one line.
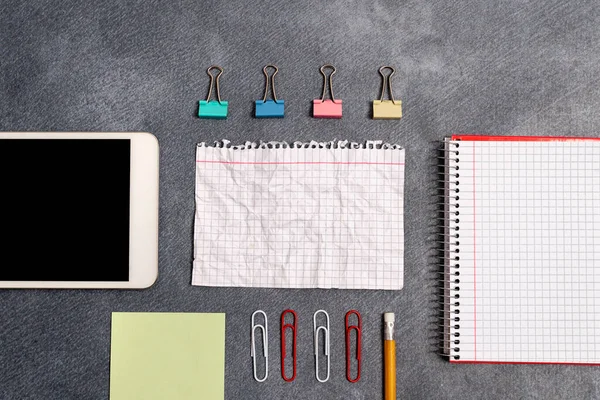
{"points": [[265, 339], [326, 331]]}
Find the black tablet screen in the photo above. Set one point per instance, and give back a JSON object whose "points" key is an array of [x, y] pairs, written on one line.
{"points": [[64, 209]]}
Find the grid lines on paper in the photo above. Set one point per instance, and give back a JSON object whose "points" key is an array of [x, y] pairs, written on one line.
{"points": [[301, 218], [530, 251]]}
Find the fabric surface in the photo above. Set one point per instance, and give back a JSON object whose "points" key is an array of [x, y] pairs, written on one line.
{"points": [[473, 66], [301, 215]]}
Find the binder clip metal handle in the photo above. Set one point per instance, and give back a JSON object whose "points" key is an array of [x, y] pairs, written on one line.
{"points": [[387, 109], [317, 330], [213, 109], [214, 81], [265, 340], [328, 80], [272, 80], [327, 108], [269, 108], [387, 80]]}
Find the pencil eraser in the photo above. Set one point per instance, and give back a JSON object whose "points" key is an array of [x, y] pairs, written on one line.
{"points": [[389, 317]]}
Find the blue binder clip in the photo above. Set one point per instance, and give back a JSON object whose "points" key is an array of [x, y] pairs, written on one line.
{"points": [[213, 109], [269, 108]]}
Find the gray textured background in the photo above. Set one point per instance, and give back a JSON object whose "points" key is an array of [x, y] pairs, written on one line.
{"points": [[476, 66]]}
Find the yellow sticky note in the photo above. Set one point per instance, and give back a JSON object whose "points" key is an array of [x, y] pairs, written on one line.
{"points": [[164, 356], [387, 109]]}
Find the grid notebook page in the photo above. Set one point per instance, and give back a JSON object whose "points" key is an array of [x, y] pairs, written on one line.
{"points": [[529, 247], [301, 216]]}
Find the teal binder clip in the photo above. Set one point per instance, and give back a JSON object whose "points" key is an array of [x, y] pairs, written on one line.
{"points": [[269, 108], [215, 109]]}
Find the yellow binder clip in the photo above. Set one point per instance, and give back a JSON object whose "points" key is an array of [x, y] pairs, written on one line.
{"points": [[387, 109]]}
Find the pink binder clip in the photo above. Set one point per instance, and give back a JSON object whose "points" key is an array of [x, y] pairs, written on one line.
{"points": [[330, 108]]}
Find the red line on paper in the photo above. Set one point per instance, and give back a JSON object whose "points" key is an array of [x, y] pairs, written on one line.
{"points": [[296, 162], [483, 138], [474, 264], [519, 362]]}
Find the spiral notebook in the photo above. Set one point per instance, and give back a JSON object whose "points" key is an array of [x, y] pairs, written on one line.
{"points": [[522, 250]]}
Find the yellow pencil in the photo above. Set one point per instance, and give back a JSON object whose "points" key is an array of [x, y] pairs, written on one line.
{"points": [[389, 356]]}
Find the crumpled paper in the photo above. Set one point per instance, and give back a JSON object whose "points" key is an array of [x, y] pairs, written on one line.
{"points": [[305, 215]]}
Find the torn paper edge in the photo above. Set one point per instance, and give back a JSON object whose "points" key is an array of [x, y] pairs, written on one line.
{"points": [[333, 144]]}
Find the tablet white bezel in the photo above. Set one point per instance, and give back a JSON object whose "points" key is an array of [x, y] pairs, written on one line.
{"points": [[143, 220]]}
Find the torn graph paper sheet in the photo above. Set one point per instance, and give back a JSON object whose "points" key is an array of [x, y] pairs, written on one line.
{"points": [[305, 215]]}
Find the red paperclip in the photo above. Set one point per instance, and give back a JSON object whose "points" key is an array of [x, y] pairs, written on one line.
{"points": [[285, 326], [358, 329]]}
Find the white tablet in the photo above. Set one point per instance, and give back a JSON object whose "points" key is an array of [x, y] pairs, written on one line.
{"points": [[78, 210]]}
